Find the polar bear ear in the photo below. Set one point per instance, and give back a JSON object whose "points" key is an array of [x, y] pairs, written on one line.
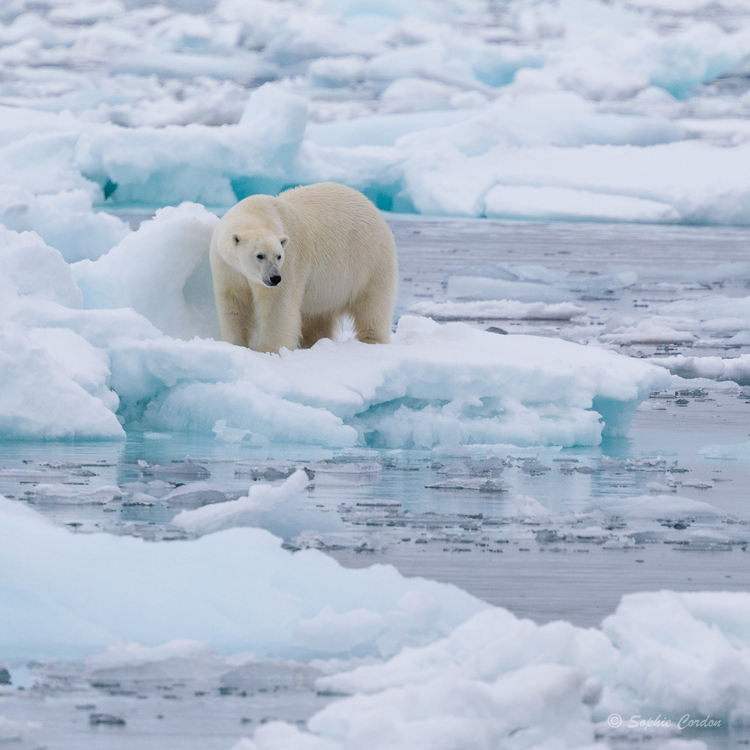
{"points": [[236, 239], [283, 240]]}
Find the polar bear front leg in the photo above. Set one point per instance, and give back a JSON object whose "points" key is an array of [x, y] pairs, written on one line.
{"points": [[236, 317], [279, 321]]}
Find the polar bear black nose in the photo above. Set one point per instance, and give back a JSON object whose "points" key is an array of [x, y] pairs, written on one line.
{"points": [[274, 280]]}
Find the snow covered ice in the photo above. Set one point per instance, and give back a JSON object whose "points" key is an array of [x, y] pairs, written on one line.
{"points": [[525, 516], [576, 110], [434, 384]]}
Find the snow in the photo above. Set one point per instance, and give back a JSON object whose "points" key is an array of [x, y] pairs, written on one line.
{"points": [[448, 384], [498, 679], [236, 590], [580, 110], [161, 271]]}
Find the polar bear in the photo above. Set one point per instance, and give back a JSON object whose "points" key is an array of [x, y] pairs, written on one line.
{"points": [[287, 268]]}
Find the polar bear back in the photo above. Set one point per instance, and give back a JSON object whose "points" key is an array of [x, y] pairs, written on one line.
{"points": [[339, 243]]}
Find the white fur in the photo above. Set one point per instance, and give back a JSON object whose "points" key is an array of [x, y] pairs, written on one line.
{"points": [[335, 255]]}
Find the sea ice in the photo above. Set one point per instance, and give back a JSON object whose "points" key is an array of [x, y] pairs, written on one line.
{"points": [[498, 310], [161, 271], [497, 678], [574, 111], [433, 385], [236, 590]]}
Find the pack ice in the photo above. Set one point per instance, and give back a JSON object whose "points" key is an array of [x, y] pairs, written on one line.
{"points": [[497, 681], [573, 110], [135, 337], [236, 590]]}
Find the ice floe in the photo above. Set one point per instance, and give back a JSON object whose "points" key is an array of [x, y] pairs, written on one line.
{"points": [[434, 384], [497, 678], [236, 590], [572, 111]]}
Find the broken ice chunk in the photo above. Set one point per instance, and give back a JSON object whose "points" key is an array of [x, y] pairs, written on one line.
{"points": [[178, 470], [493, 484], [195, 495], [59, 494]]}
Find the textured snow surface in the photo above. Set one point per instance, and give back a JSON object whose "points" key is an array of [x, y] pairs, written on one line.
{"points": [[497, 680], [572, 110], [435, 384], [236, 590]]}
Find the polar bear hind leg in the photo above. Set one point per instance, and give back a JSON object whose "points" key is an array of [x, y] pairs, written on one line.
{"points": [[372, 311]]}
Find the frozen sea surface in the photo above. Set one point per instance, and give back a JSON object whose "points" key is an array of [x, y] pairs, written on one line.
{"points": [[548, 533], [577, 110], [244, 505]]}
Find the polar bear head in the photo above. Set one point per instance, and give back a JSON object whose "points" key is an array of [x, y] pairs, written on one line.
{"points": [[254, 248], [259, 257]]}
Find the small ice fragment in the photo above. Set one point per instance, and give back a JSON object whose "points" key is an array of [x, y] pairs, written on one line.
{"points": [[482, 484], [194, 495], [178, 470], [229, 434], [529, 507]]}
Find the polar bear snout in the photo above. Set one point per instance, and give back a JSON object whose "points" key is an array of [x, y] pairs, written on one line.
{"points": [[274, 280]]}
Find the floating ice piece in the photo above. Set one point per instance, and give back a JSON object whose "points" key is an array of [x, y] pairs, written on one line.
{"points": [[728, 451], [229, 434], [498, 310], [482, 484], [659, 652], [511, 289], [736, 369], [11, 730], [529, 507], [654, 507], [704, 310], [647, 332], [254, 676], [345, 467], [120, 654], [177, 470], [434, 384], [63, 494], [27, 476], [236, 590], [245, 511], [155, 488], [553, 203], [195, 495], [268, 469]]}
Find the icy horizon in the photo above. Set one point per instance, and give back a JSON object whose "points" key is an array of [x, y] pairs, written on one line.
{"points": [[572, 111]]}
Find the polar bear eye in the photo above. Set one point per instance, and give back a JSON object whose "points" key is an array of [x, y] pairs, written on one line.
{"points": [[236, 239], [260, 256], [278, 257]]}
